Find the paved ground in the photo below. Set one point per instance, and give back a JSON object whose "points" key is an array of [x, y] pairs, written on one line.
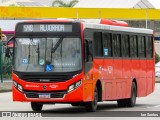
{"points": [[149, 104], [7, 85]]}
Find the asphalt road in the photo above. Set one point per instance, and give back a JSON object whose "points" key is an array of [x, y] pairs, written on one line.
{"points": [[149, 105]]}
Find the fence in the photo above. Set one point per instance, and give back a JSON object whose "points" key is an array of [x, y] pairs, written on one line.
{"points": [[5, 63]]}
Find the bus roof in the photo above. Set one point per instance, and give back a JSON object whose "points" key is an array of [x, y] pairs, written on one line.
{"points": [[117, 28]]}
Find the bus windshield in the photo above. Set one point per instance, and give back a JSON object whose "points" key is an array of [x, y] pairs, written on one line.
{"points": [[47, 54]]}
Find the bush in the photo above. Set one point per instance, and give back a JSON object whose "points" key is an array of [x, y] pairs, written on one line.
{"points": [[157, 58]]}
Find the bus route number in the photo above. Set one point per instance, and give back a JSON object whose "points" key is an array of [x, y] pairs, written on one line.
{"points": [[28, 28]]}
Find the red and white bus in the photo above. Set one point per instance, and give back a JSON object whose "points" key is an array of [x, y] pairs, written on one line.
{"points": [[8, 34], [81, 63]]}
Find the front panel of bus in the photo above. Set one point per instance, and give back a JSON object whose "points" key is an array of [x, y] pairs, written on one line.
{"points": [[47, 62]]}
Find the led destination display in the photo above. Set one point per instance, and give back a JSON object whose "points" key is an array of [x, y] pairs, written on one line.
{"points": [[46, 28]]}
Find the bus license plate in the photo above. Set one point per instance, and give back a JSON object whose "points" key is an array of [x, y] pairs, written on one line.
{"points": [[44, 96]]}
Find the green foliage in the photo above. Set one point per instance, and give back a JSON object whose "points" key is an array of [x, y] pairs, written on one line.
{"points": [[61, 3], [13, 5], [157, 58], [6, 63]]}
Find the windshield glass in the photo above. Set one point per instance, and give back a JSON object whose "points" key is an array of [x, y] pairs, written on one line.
{"points": [[47, 54]]}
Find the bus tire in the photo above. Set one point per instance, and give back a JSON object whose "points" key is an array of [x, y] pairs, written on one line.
{"points": [[121, 103], [92, 105], [36, 106], [132, 101], [75, 104]]}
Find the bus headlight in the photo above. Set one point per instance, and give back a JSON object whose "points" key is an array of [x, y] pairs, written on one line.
{"points": [[77, 84], [71, 87], [15, 84], [18, 86], [74, 86]]}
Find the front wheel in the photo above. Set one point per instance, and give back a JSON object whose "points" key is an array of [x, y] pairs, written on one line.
{"points": [[36, 106], [92, 105]]}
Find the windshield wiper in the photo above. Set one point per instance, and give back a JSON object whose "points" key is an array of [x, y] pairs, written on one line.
{"points": [[56, 45], [53, 49], [29, 55], [38, 52]]}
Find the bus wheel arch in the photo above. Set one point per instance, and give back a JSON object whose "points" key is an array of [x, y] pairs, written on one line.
{"points": [[135, 81], [129, 102], [99, 87]]}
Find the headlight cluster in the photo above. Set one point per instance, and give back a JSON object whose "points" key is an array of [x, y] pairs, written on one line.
{"points": [[74, 86], [18, 86]]}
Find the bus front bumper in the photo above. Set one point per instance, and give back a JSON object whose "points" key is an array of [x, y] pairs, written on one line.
{"points": [[65, 96]]}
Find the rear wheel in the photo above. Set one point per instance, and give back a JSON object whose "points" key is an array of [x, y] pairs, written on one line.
{"points": [[36, 106], [132, 101], [75, 104], [121, 103], [92, 105]]}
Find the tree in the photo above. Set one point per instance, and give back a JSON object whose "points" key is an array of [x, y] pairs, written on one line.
{"points": [[12, 5], [157, 58], [60, 3]]}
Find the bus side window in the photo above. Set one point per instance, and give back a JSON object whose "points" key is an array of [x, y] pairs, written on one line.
{"points": [[98, 45], [133, 46], [141, 47], [88, 51], [125, 46], [149, 47], [116, 45], [107, 44]]}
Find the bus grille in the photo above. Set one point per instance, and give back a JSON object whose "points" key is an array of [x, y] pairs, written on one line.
{"points": [[45, 78], [52, 94]]}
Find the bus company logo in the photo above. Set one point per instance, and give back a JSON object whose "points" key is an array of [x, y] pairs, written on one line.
{"points": [[6, 114], [53, 86], [20, 114], [33, 86], [44, 87], [110, 69]]}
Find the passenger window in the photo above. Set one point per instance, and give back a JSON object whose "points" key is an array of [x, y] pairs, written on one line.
{"points": [[116, 45], [141, 47], [149, 47], [98, 46], [107, 44], [125, 46], [133, 46]]}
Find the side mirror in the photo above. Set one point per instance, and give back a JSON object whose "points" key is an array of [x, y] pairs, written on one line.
{"points": [[86, 51], [7, 54]]}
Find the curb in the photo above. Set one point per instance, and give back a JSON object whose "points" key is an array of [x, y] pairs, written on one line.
{"points": [[2, 91]]}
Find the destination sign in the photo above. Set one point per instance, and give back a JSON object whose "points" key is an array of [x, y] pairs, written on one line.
{"points": [[47, 28]]}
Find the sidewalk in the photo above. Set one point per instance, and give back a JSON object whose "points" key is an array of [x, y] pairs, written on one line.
{"points": [[6, 86]]}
